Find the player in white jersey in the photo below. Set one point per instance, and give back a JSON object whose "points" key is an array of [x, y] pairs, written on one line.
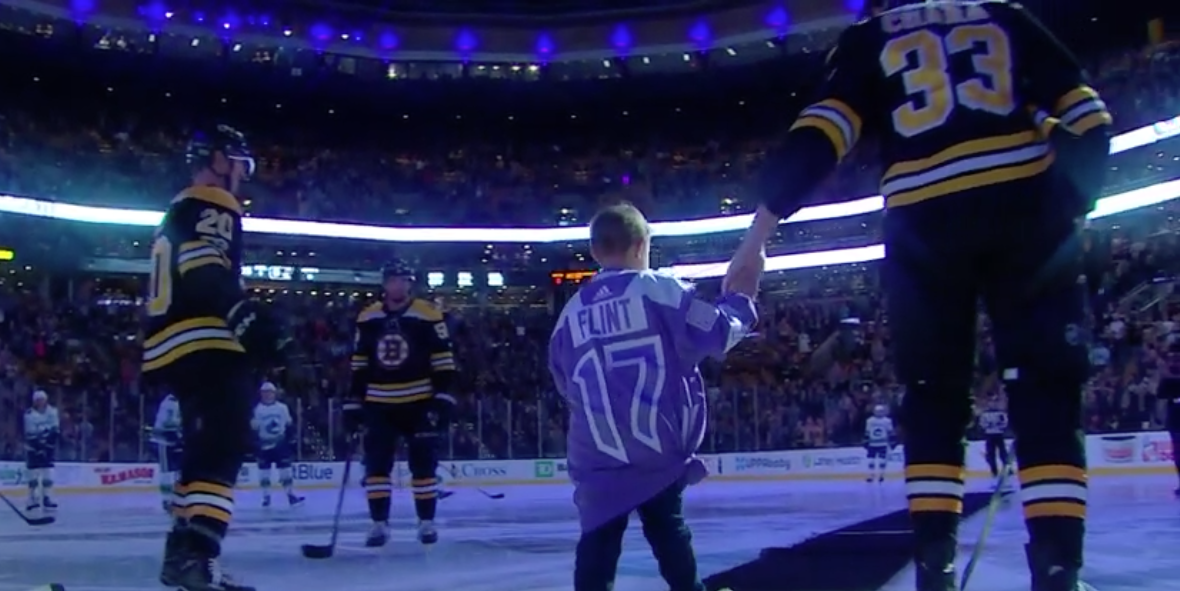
{"points": [[167, 435], [42, 430], [878, 440], [993, 421], [274, 427]]}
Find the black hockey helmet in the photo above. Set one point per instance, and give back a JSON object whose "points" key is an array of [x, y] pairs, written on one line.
{"points": [[224, 139], [397, 268]]}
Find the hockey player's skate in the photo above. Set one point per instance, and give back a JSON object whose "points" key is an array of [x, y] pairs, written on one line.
{"points": [[204, 574], [48, 504], [443, 494], [173, 558], [32, 505], [265, 501], [378, 536], [294, 500], [427, 534], [1047, 576], [935, 570]]}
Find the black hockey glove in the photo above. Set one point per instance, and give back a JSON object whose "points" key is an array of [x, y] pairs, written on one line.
{"points": [[259, 330], [444, 406]]}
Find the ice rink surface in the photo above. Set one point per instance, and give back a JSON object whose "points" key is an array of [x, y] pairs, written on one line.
{"points": [[524, 542]]}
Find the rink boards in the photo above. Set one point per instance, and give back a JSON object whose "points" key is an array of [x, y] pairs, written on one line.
{"points": [[1109, 454]]}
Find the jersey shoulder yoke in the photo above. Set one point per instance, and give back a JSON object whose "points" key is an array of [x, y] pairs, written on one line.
{"points": [[374, 311], [211, 195], [424, 310]]}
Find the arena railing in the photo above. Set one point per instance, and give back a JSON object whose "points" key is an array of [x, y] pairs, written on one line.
{"points": [[1144, 136]]}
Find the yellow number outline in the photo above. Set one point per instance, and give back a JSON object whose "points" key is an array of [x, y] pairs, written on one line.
{"points": [[931, 79], [160, 278]]}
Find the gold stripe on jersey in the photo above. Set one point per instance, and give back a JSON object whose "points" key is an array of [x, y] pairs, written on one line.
{"points": [[360, 361], [1081, 110], [198, 253], [1045, 123], [399, 393], [836, 120], [186, 337], [444, 361], [968, 165], [211, 195]]}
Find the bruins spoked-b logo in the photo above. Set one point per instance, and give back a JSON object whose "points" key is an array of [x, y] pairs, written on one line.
{"points": [[392, 350]]}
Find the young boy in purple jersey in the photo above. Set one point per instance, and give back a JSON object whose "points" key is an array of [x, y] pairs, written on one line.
{"points": [[624, 355]]}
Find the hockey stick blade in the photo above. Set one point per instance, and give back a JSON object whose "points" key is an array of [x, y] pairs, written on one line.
{"points": [[318, 552], [33, 521], [493, 496], [314, 551]]}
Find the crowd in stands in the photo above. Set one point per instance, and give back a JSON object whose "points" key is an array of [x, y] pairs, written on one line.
{"points": [[80, 346]]}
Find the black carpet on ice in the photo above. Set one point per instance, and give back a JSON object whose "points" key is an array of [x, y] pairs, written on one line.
{"points": [[863, 556]]}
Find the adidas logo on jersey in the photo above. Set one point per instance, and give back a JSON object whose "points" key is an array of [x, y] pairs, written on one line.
{"points": [[603, 293]]}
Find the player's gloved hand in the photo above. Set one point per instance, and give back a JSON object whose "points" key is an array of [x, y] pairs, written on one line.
{"points": [[444, 405], [259, 331]]}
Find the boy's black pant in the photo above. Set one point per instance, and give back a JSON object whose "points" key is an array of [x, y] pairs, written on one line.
{"points": [[597, 559]]}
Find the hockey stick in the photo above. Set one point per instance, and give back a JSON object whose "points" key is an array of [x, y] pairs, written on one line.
{"points": [[33, 521], [992, 508], [490, 495], [319, 552]]}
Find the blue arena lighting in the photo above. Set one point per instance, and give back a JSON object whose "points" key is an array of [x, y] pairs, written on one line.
{"points": [[155, 12], [321, 32], [465, 41], [544, 46], [387, 41], [778, 19], [698, 33], [621, 39]]}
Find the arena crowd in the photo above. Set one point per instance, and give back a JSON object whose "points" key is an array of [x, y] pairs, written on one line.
{"points": [[81, 346]]}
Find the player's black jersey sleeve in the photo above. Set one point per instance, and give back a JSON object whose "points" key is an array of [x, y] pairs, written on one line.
{"points": [[442, 353], [195, 278], [1068, 112], [1050, 76], [827, 129]]}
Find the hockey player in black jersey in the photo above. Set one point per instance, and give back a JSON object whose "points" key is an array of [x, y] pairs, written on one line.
{"points": [[994, 148], [402, 359], [993, 421], [203, 340]]}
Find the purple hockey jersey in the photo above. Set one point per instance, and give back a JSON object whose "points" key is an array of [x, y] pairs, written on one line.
{"points": [[624, 354]]}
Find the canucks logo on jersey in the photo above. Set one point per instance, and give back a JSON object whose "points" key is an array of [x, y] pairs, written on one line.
{"points": [[878, 431]]}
